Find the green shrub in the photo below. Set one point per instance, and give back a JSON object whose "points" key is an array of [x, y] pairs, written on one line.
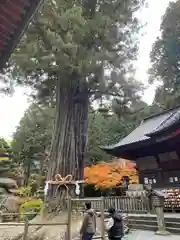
{"points": [[24, 191], [40, 194], [30, 209]]}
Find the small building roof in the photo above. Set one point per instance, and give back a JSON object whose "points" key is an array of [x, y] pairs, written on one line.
{"points": [[147, 131], [15, 16], [4, 154]]}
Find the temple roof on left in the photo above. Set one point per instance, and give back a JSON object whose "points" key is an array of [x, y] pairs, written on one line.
{"points": [[15, 16]]}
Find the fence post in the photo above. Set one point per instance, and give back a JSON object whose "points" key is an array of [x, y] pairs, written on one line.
{"points": [[26, 225], [68, 234], [42, 211], [148, 208], [102, 219]]}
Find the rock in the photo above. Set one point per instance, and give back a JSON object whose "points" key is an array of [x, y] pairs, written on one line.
{"points": [[13, 203]]}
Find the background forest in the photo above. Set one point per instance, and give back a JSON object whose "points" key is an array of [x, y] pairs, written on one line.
{"points": [[114, 98]]}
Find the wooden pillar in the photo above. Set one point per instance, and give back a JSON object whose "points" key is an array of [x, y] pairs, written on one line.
{"points": [[102, 219], [1, 217], [26, 226], [68, 233], [43, 211]]}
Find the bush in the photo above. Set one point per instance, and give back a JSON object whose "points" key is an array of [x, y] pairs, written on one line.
{"points": [[24, 191], [32, 208]]}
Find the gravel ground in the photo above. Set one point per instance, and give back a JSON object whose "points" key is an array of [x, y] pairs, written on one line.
{"points": [[145, 235]]}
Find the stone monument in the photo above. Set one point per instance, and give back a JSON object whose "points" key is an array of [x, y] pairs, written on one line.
{"points": [[158, 203]]}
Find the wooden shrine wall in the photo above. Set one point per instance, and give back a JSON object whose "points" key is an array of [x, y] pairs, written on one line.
{"points": [[161, 171]]}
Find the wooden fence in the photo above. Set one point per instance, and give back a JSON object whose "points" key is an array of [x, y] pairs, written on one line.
{"points": [[128, 204], [122, 204], [67, 235]]}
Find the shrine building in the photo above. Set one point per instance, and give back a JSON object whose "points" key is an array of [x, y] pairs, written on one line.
{"points": [[155, 147]]}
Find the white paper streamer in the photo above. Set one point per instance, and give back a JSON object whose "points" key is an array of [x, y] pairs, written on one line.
{"points": [[46, 188], [77, 190]]}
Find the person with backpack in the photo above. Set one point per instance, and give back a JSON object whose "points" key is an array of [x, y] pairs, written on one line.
{"points": [[88, 228], [114, 226]]}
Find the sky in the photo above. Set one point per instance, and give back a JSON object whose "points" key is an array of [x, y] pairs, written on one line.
{"points": [[12, 108], [151, 17]]}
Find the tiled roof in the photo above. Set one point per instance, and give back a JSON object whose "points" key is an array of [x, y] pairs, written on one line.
{"points": [[150, 126], [173, 119], [15, 16]]}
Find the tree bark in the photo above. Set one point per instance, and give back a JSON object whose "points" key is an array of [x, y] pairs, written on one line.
{"points": [[27, 171], [68, 146]]}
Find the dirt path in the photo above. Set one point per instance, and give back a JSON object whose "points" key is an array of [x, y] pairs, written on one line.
{"points": [[58, 232], [16, 232], [45, 232]]}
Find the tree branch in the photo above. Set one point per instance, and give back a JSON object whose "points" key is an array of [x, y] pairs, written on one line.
{"points": [[106, 93], [41, 32]]}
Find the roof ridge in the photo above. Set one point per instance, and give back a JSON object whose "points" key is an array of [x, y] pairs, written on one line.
{"points": [[161, 113], [164, 121]]}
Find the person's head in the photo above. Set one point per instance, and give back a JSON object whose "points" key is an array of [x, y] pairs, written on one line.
{"points": [[88, 205], [111, 210]]}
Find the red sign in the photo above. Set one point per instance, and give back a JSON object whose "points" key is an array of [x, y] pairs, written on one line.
{"points": [[173, 134]]}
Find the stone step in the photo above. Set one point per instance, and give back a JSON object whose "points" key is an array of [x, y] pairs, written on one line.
{"points": [[171, 227], [153, 228], [142, 222], [153, 218], [174, 230], [153, 223], [143, 227], [149, 222], [172, 219], [143, 218]]}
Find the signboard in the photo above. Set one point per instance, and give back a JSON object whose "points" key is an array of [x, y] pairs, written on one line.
{"points": [[135, 187]]}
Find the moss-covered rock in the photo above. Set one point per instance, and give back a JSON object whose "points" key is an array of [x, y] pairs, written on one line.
{"points": [[30, 209]]}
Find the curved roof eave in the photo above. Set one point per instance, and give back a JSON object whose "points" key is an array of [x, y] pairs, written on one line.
{"points": [[15, 16]]}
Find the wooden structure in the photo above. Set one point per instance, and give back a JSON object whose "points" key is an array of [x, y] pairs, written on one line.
{"points": [[122, 204], [154, 145], [67, 232], [15, 15]]}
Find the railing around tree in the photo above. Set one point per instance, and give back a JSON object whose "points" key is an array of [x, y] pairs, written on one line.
{"points": [[67, 234]]}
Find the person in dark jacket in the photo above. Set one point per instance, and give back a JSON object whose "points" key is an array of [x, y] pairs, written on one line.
{"points": [[114, 226], [88, 228]]}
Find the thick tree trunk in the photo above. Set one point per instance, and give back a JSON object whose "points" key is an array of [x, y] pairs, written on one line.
{"points": [[70, 131]]}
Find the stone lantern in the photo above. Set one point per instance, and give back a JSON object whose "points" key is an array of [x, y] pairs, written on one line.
{"points": [[157, 198]]}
